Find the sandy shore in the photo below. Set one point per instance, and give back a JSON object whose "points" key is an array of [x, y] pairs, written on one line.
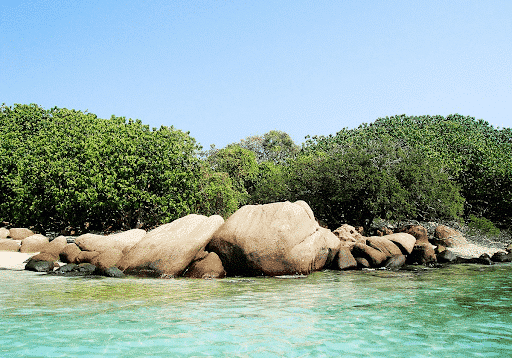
{"points": [[473, 250], [14, 260]]}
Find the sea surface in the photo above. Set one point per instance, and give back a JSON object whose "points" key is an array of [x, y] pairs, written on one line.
{"points": [[460, 311]]}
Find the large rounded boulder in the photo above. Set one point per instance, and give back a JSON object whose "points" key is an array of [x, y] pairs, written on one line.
{"points": [[34, 243], [169, 249], [20, 233], [273, 239], [404, 241], [100, 243], [448, 237], [56, 246]]}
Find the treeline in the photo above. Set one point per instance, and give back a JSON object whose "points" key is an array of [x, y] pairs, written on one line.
{"points": [[63, 168]]}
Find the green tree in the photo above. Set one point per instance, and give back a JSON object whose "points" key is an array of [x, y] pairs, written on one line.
{"points": [[63, 167], [274, 146], [240, 165], [475, 155], [356, 183]]}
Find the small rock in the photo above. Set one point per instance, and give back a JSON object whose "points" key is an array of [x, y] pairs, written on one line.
{"points": [[86, 256], [446, 256], [45, 256], [348, 235], [501, 256], [4, 233], [40, 265], [70, 253], [418, 231], [67, 268], [439, 249], [448, 237], [20, 233], [209, 267], [395, 262], [113, 272], [345, 260], [362, 263], [484, 259], [56, 246], [374, 256], [422, 254], [33, 243], [86, 268], [9, 245]]}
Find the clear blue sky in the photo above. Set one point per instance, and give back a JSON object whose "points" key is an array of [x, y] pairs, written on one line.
{"points": [[224, 70]]}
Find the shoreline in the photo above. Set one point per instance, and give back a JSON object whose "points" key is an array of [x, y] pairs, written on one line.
{"points": [[12, 260], [16, 261]]}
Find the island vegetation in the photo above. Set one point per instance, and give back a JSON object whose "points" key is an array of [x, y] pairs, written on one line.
{"points": [[63, 168]]}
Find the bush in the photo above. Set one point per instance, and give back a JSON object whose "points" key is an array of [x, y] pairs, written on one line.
{"points": [[483, 226], [64, 168], [358, 182]]}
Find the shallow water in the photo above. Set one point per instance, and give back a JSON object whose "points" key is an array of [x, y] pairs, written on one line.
{"points": [[461, 311]]}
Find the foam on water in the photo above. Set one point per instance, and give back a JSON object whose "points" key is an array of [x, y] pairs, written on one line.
{"points": [[461, 311]]}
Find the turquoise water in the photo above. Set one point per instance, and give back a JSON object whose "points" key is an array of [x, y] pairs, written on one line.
{"points": [[461, 311]]}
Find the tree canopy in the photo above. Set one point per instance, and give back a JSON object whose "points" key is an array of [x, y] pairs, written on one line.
{"points": [[62, 167]]}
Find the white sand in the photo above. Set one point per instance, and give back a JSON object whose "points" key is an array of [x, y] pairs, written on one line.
{"points": [[472, 250], [14, 260]]}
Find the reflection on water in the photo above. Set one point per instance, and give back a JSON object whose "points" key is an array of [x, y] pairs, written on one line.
{"points": [[461, 311]]}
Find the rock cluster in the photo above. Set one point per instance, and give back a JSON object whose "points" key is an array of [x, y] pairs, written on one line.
{"points": [[272, 239]]}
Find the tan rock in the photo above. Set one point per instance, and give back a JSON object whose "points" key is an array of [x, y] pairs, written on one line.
{"points": [[395, 262], [107, 259], [86, 257], [404, 241], [70, 253], [33, 243], [45, 256], [208, 267], [362, 262], [423, 253], [169, 249], [345, 259], [20, 233], [448, 237], [273, 239], [55, 246], [384, 245], [374, 256], [44, 262], [100, 243], [93, 242], [307, 208], [418, 231], [10, 245], [348, 235], [4, 233], [127, 239]]}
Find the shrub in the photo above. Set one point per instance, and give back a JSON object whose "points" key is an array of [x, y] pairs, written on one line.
{"points": [[483, 226], [64, 167]]}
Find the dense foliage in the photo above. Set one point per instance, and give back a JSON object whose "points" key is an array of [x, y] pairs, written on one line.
{"points": [[477, 157], [63, 167], [357, 183]]}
